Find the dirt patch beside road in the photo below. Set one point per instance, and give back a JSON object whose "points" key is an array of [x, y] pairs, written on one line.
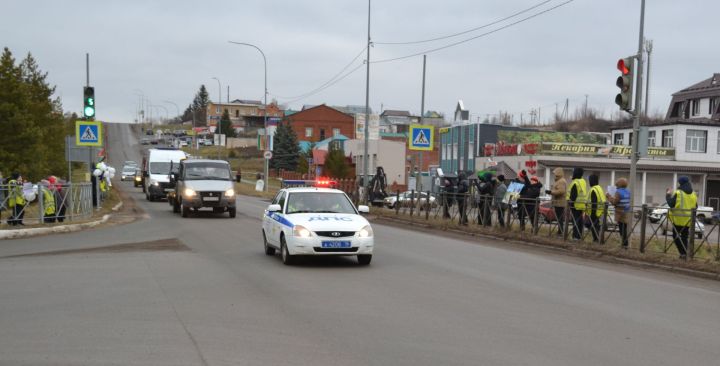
{"points": [[174, 245]]}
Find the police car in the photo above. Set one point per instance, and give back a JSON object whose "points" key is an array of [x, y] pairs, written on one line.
{"points": [[316, 221]]}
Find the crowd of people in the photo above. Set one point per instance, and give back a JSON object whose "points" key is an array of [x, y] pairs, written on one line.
{"points": [[582, 202], [16, 195]]}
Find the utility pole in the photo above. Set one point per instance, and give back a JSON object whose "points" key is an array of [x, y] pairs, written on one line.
{"points": [[635, 155], [585, 108], [648, 49], [366, 166], [418, 179], [218, 128]]}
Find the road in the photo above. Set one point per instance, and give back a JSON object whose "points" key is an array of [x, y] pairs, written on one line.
{"points": [[212, 297]]}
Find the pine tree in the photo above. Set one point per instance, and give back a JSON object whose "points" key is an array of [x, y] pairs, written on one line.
{"points": [[199, 107], [226, 125], [33, 141], [286, 150], [336, 165]]}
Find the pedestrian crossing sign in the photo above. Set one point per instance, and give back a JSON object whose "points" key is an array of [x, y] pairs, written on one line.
{"points": [[421, 137], [88, 133]]}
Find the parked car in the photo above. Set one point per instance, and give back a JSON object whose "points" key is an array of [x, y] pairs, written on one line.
{"points": [[145, 141], [667, 229], [407, 198], [704, 213], [138, 180]]}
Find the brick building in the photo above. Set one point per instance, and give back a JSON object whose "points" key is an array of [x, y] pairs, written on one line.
{"points": [[320, 122], [246, 115]]}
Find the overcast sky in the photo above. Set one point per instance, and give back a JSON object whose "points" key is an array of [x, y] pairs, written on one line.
{"points": [[166, 49]]}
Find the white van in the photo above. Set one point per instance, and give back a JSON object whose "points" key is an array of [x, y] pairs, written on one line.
{"points": [[156, 169]]}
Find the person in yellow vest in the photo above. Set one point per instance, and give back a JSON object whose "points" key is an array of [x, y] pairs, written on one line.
{"points": [[681, 202], [577, 201], [48, 202], [595, 206], [16, 200]]}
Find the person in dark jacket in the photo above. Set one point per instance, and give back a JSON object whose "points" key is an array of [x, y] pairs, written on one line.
{"points": [[681, 202], [577, 199], [461, 196], [486, 188], [528, 194]]}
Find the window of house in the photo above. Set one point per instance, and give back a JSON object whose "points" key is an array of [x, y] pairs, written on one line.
{"points": [[618, 138], [630, 140], [308, 131], [667, 138], [651, 138], [217, 110], [695, 107], [713, 105], [226, 111], [471, 150], [676, 109], [237, 113], [322, 134], [336, 131], [696, 141]]}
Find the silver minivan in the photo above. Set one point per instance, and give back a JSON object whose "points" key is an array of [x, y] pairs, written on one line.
{"points": [[203, 184]]}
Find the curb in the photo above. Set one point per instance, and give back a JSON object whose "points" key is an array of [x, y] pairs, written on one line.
{"points": [[580, 252], [26, 233], [118, 206]]}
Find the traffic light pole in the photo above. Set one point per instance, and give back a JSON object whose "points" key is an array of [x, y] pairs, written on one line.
{"points": [[635, 155]]}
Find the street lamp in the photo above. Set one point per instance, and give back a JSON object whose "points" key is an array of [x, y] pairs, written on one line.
{"points": [[267, 161], [217, 129]]}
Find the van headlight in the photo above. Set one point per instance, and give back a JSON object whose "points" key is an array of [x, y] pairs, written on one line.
{"points": [[230, 193], [366, 232], [189, 192], [301, 232]]}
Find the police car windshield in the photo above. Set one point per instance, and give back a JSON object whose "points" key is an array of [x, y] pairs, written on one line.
{"points": [[209, 171], [318, 202]]}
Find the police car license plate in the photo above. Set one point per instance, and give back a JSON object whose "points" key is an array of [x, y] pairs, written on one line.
{"points": [[336, 244], [211, 198]]}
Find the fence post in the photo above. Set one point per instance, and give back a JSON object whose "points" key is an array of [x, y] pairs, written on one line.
{"points": [[536, 213], [397, 203], [604, 222], [41, 204], [412, 202], [691, 234], [428, 206], [643, 227], [508, 223]]}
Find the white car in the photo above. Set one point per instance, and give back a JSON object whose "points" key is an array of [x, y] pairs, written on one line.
{"points": [[316, 221], [703, 213], [406, 198]]}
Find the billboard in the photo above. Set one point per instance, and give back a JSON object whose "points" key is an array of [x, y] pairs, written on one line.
{"points": [[537, 137]]}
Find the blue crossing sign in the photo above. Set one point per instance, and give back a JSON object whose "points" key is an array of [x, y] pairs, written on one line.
{"points": [[421, 137], [88, 133]]}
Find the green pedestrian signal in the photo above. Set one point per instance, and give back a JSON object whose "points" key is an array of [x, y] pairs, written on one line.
{"points": [[89, 102]]}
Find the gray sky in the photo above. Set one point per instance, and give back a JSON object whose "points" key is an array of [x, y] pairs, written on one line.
{"points": [[167, 49]]}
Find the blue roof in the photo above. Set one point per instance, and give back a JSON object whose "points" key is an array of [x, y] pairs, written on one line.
{"points": [[328, 140], [305, 146]]}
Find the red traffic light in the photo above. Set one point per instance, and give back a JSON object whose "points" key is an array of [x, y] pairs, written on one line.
{"points": [[623, 67]]}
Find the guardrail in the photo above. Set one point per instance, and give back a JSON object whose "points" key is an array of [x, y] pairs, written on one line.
{"points": [[650, 230], [72, 202]]}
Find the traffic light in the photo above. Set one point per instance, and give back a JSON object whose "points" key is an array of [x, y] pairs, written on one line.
{"points": [[625, 82], [89, 102]]}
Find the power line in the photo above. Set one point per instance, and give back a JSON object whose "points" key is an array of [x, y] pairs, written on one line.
{"points": [[327, 82], [475, 37], [327, 86], [469, 30]]}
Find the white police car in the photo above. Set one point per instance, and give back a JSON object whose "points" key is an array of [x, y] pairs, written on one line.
{"points": [[316, 221]]}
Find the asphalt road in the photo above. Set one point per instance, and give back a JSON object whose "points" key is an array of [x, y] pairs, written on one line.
{"points": [[214, 298]]}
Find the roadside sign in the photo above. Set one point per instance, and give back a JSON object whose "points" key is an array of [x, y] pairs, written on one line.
{"points": [[421, 137], [88, 133], [267, 155]]}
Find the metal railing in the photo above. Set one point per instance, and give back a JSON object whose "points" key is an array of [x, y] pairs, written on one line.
{"points": [[71, 201], [651, 230]]}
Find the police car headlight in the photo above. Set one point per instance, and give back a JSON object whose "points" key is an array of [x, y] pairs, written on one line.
{"points": [[230, 192], [365, 232], [301, 231], [189, 192]]}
